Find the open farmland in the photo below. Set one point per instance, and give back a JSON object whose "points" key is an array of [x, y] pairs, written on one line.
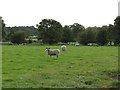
{"points": [[78, 67]]}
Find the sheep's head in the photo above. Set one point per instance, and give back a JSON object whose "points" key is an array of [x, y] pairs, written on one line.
{"points": [[47, 49]]}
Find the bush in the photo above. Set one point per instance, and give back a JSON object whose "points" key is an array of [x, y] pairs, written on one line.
{"points": [[18, 37]]}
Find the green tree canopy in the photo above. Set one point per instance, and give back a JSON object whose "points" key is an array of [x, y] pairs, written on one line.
{"points": [[50, 31], [67, 34], [77, 28], [87, 36], [111, 33], [29, 30], [117, 30], [101, 37], [18, 37]]}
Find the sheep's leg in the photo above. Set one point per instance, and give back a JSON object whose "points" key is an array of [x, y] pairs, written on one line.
{"points": [[50, 56], [56, 56]]}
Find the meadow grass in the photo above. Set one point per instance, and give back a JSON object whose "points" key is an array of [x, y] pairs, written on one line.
{"points": [[78, 67]]}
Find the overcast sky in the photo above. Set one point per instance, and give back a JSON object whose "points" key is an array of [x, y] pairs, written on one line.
{"points": [[85, 12]]}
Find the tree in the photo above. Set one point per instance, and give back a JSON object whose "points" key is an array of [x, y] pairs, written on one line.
{"points": [[117, 30], [83, 38], [29, 30], [101, 37], [110, 33], [9, 34], [87, 36], [77, 28], [18, 37], [50, 31], [3, 28], [67, 34]]}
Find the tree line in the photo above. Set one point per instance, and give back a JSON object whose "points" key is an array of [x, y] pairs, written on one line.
{"points": [[29, 31], [50, 31]]}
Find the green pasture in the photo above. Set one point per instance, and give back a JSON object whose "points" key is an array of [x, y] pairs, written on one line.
{"points": [[78, 67]]}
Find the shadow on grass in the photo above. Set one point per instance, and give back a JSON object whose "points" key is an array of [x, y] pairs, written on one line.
{"points": [[115, 84]]}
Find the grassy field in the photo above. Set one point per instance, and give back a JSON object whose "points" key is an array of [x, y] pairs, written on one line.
{"points": [[78, 67]]}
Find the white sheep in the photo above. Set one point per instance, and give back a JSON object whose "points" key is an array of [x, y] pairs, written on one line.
{"points": [[52, 52], [63, 47], [77, 44], [89, 44]]}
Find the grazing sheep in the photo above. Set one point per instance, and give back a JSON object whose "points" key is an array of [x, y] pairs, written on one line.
{"points": [[77, 44], [63, 47], [89, 44], [52, 52]]}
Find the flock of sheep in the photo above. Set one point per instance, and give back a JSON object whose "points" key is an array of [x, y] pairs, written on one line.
{"points": [[56, 52]]}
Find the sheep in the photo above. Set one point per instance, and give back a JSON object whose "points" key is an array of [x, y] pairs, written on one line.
{"points": [[63, 47], [52, 52], [77, 44], [89, 44]]}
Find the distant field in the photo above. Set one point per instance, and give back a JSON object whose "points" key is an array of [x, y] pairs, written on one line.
{"points": [[78, 67]]}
